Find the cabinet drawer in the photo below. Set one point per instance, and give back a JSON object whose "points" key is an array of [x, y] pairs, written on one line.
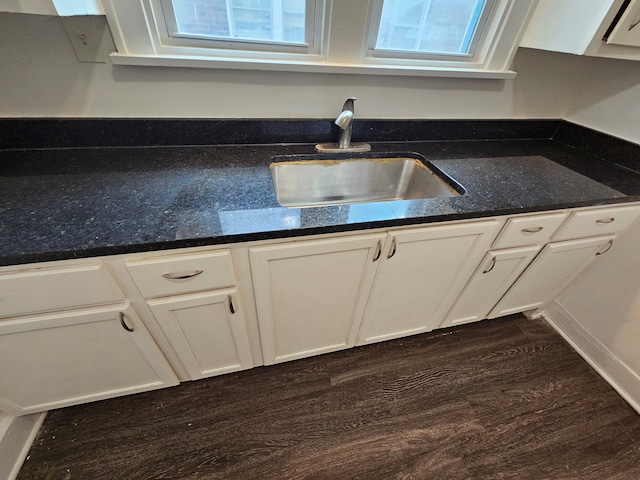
{"points": [[601, 221], [48, 289], [183, 273], [529, 230]]}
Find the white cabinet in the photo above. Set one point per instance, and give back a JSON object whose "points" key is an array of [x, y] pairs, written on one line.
{"points": [[70, 357], [311, 295], [422, 272], [557, 264], [604, 28], [495, 275], [196, 303], [206, 330]]}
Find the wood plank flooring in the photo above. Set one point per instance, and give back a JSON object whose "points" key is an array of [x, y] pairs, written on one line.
{"points": [[499, 399]]}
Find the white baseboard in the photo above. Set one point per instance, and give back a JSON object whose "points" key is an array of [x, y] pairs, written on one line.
{"points": [[622, 378], [16, 436]]}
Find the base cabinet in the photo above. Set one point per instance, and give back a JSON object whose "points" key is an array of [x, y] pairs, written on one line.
{"points": [[422, 272], [56, 360], [311, 295], [496, 273], [195, 300], [553, 268], [206, 330]]}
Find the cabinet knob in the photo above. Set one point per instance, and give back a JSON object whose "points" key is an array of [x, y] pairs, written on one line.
{"points": [[378, 251], [609, 245], [493, 264], [124, 324], [393, 248], [532, 230], [181, 276], [232, 309]]}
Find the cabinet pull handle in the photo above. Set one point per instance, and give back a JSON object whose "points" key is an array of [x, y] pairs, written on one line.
{"points": [[609, 245], [532, 230], [604, 221], [393, 248], [493, 264], [634, 24], [376, 257], [124, 324], [182, 276], [232, 309]]}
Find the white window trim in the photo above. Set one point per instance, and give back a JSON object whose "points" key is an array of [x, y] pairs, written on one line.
{"points": [[344, 44]]}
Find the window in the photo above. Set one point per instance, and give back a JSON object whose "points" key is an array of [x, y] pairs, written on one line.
{"points": [[473, 38], [268, 21], [432, 27]]}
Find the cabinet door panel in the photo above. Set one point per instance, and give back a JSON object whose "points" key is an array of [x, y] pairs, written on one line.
{"points": [[311, 295], [208, 337], [415, 287], [496, 273], [552, 269], [52, 361]]}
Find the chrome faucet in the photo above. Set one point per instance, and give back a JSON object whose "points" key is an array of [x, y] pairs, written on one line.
{"points": [[345, 122]]}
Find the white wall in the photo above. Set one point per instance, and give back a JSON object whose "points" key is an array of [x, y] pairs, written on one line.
{"points": [[610, 99], [40, 77]]}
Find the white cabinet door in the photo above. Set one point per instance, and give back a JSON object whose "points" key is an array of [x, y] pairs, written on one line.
{"points": [[422, 272], [311, 295], [206, 330], [553, 269], [56, 360], [496, 273]]}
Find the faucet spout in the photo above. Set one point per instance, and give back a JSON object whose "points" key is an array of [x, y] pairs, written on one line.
{"points": [[345, 122]]}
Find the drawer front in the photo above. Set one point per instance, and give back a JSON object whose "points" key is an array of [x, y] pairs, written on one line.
{"points": [[529, 230], [601, 221], [49, 289], [178, 274]]}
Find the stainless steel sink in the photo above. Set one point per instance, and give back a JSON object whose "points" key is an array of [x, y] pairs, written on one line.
{"points": [[314, 180]]}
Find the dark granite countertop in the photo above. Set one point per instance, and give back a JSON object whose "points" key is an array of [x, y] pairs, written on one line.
{"points": [[63, 203]]}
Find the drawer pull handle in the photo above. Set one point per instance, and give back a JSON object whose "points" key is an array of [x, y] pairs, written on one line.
{"points": [[609, 245], [604, 221], [532, 230], [393, 248], [182, 276], [634, 24], [232, 309], [124, 324], [378, 251], [493, 264]]}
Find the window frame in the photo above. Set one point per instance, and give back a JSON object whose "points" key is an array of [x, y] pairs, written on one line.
{"points": [[341, 43], [488, 14], [310, 46]]}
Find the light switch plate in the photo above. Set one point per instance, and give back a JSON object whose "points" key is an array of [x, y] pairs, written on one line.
{"points": [[83, 31]]}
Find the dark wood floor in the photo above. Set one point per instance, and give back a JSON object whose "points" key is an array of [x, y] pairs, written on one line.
{"points": [[500, 399]]}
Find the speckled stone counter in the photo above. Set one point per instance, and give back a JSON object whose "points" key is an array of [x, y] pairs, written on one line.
{"points": [[63, 203]]}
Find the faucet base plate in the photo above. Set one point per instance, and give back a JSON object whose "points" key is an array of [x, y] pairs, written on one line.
{"points": [[334, 148]]}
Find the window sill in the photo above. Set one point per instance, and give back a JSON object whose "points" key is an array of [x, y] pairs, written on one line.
{"points": [[310, 67]]}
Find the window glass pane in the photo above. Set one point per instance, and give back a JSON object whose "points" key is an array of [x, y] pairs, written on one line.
{"points": [[429, 26], [257, 20]]}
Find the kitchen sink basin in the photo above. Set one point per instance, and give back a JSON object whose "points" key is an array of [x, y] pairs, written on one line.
{"points": [[320, 180]]}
